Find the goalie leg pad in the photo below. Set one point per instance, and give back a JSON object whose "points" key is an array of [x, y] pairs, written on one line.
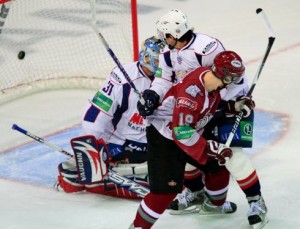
{"points": [[68, 169], [131, 169], [137, 172], [91, 158], [108, 188], [68, 185]]}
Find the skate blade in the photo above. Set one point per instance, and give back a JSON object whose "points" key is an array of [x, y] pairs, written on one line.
{"points": [[189, 210], [261, 224]]}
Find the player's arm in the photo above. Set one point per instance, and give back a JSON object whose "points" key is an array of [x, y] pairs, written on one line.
{"points": [[236, 99], [164, 75], [101, 108]]}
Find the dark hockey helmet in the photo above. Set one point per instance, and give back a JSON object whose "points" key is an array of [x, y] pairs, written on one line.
{"points": [[228, 66]]}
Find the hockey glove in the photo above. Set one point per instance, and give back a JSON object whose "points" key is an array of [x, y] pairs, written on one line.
{"points": [[151, 102], [242, 103], [218, 151]]}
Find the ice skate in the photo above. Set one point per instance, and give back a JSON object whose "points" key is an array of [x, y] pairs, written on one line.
{"points": [[207, 208], [187, 202], [257, 215]]}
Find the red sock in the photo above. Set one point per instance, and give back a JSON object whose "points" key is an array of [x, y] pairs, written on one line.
{"points": [[151, 208]]}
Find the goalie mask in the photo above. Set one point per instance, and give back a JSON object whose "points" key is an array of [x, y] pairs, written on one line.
{"points": [[228, 66], [174, 22], [149, 53]]}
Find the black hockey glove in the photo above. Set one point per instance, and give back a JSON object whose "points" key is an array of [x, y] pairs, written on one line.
{"points": [[151, 103]]}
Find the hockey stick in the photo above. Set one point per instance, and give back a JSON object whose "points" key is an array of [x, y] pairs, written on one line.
{"points": [[271, 40], [113, 176], [110, 51]]}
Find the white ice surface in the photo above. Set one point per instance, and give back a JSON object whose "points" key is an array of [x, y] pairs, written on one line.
{"points": [[25, 206]]}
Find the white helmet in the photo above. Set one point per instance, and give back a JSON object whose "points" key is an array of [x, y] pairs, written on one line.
{"points": [[174, 22]]}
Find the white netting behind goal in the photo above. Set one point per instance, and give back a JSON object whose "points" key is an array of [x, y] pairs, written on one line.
{"points": [[61, 48]]}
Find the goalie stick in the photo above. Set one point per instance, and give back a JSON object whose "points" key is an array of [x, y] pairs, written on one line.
{"points": [[271, 40], [110, 51], [113, 176]]}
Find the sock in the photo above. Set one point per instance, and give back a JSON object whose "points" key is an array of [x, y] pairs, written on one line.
{"points": [[151, 208]]}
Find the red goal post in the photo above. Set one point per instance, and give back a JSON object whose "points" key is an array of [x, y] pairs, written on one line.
{"points": [[61, 48]]}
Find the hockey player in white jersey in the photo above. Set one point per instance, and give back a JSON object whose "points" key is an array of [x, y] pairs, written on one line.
{"points": [[185, 51], [112, 115]]}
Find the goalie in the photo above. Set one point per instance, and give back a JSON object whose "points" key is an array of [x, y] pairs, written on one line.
{"points": [[111, 116]]}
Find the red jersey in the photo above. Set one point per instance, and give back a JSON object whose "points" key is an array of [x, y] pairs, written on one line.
{"points": [[185, 110]]}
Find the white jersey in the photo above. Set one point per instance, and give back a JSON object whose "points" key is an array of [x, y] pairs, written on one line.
{"points": [[112, 114], [175, 64]]}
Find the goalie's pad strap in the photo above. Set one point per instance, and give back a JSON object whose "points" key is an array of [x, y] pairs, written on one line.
{"points": [[90, 157], [131, 169]]}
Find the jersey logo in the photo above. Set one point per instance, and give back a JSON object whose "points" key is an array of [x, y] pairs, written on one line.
{"points": [[193, 91], [158, 72], [136, 122], [116, 77], [183, 132], [179, 59], [208, 47], [185, 102], [102, 101], [202, 122], [136, 119]]}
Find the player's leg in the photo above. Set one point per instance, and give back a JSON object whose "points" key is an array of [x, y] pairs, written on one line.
{"points": [[216, 181], [67, 180], [242, 169], [192, 196], [166, 163]]}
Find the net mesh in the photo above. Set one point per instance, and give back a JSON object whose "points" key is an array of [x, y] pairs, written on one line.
{"points": [[61, 48]]}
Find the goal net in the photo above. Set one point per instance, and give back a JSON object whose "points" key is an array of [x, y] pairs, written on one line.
{"points": [[61, 48]]}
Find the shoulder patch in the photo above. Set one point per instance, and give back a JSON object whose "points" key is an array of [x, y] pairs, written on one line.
{"points": [[208, 47], [102, 101], [193, 91], [115, 77], [158, 72]]}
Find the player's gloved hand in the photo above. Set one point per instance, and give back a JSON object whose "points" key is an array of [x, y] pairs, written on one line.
{"points": [[242, 103], [151, 102], [218, 151]]}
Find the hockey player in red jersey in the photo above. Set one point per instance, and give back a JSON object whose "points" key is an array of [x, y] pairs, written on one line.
{"points": [[185, 51], [175, 137], [112, 115]]}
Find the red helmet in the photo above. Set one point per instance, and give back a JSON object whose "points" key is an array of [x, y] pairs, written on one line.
{"points": [[228, 66]]}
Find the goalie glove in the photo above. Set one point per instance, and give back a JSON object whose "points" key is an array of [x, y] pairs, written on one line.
{"points": [[218, 151], [242, 103], [92, 158]]}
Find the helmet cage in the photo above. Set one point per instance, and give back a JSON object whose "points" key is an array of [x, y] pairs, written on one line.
{"points": [[148, 56]]}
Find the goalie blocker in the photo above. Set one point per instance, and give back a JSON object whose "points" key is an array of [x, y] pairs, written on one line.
{"points": [[91, 158]]}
